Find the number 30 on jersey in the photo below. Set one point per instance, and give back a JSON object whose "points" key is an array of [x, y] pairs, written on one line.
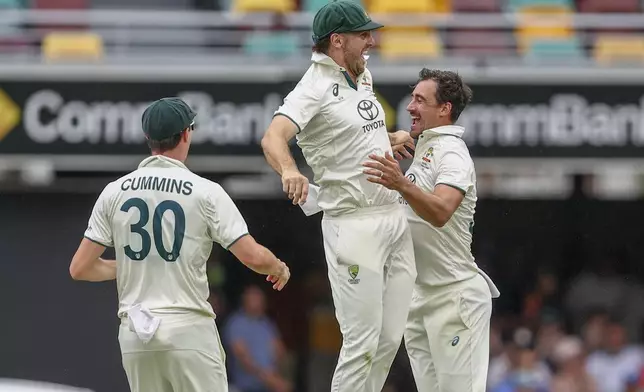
{"points": [[157, 229]]}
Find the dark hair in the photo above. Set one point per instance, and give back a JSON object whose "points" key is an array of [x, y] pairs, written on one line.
{"points": [[165, 144], [322, 46], [450, 88]]}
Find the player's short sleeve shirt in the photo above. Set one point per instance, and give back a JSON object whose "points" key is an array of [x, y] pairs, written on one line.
{"points": [[339, 124], [162, 220], [443, 255]]}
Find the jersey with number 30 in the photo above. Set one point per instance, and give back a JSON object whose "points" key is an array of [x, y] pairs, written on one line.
{"points": [[162, 220]]}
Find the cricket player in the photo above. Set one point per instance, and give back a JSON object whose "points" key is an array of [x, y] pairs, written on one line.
{"points": [[448, 330], [337, 120], [162, 220]]}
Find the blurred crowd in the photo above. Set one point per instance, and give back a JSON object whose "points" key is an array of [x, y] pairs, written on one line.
{"points": [[581, 336]]}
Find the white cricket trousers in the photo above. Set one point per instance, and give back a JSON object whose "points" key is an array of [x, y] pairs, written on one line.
{"points": [[185, 355], [371, 268], [448, 336]]}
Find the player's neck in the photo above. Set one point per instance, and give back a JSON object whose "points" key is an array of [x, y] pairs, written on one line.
{"points": [[339, 59]]}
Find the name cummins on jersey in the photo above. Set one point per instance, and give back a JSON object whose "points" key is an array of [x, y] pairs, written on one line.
{"points": [[339, 125], [162, 220]]}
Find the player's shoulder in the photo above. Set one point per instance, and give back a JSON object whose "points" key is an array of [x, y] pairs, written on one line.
{"points": [[205, 187], [112, 188], [318, 78], [453, 150], [453, 145]]}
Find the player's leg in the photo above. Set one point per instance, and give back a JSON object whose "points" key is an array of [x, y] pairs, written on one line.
{"points": [[418, 348], [198, 363], [400, 276], [142, 368], [355, 274], [144, 372], [460, 338]]}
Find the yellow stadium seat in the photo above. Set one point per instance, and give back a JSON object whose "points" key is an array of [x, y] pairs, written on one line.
{"points": [[442, 6], [72, 46], [400, 45], [557, 17], [401, 6], [611, 49], [281, 6]]}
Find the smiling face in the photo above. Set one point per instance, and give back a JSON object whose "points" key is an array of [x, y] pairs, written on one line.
{"points": [[425, 110], [352, 49], [438, 99]]}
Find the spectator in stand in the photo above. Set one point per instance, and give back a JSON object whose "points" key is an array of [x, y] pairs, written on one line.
{"points": [[256, 347], [569, 358], [519, 368], [544, 298], [614, 367]]}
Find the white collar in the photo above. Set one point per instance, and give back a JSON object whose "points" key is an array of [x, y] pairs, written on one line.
{"points": [[454, 130], [161, 161], [323, 59]]}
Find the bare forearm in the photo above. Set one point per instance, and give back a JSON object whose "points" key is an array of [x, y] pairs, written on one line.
{"points": [[278, 154], [429, 207], [264, 262], [98, 271]]}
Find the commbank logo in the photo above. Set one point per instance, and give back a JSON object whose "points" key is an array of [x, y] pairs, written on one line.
{"points": [[9, 114]]}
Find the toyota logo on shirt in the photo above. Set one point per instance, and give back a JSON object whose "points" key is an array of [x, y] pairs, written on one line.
{"points": [[368, 110]]}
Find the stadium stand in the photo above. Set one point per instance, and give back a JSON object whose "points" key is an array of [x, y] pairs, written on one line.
{"points": [[263, 5], [608, 6], [276, 43], [72, 46], [540, 21], [523, 31], [314, 5], [400, 6], [614, 49], [561, 48], [476, 5], [59, 4], [10, 4]]}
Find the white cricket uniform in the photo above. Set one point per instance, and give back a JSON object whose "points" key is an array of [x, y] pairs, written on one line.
{"points": [[162, 220], [367, 240], [448, 330]]}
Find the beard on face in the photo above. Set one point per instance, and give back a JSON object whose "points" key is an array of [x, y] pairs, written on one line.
{"points": [[355, 62]]}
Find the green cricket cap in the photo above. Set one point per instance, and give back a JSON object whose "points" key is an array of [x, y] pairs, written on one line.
{"points": [[341, 16], [166, 117]]}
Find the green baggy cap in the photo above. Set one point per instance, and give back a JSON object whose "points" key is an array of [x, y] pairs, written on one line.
{"points": [[166, 117], [341, 16]]}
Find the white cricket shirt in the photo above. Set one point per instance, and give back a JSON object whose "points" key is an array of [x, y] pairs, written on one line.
{"points": [[162, 220], [339, 125], [443, 255]]}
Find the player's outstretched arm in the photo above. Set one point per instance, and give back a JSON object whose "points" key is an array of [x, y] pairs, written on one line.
{"points": [[261, 260], [278, 155], [88, 265]]}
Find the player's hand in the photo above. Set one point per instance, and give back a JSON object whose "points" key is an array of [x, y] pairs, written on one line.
{"points": [[295, 185], [400, 141], [280, 277], [385, 171]]}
